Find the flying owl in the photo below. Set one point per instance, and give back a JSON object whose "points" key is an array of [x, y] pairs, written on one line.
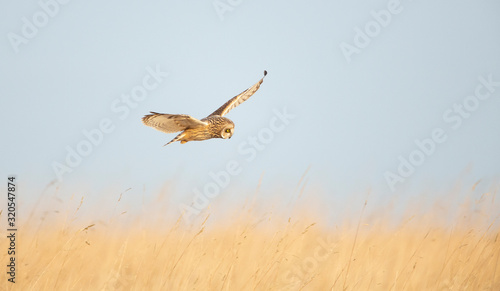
{"points": [[212, 126]]}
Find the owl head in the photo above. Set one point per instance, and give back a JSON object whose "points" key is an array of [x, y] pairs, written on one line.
{"points": [[226, 128]]}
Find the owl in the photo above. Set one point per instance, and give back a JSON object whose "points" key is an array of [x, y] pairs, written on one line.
{"points": [[213, 126]]}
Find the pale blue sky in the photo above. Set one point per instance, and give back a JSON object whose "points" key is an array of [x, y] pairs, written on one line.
{"points": [[353, 118]]}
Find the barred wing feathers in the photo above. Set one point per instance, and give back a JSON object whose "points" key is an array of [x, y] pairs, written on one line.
{"points": [[169, 123], [238, 99]]}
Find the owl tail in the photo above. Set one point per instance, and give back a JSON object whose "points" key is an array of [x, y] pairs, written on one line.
{"points": [[178, 137]]}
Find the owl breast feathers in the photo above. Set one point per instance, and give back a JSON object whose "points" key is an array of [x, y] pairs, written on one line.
{"points": [[212, 126]]}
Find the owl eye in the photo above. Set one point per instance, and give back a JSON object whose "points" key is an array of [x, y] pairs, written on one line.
{"points": [[228, 130]]}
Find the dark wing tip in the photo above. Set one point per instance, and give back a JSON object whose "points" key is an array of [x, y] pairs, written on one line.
{"points": [[147, 117], [265, 73]]}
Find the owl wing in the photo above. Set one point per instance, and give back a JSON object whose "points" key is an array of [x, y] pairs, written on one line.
{"points": [[238, 99], [169, 123]]}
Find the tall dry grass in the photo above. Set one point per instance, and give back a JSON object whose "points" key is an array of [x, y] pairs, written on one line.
{"points": [[259, 250]]}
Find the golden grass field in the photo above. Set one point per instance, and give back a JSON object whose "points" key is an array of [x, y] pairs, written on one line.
{"points": [[262, 250]]}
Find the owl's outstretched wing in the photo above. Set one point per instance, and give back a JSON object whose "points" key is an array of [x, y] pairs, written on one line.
{"points": [[169, 123], [238, 99]]}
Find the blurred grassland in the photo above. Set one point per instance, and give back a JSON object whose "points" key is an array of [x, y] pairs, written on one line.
{"points": [[256, 248]]}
